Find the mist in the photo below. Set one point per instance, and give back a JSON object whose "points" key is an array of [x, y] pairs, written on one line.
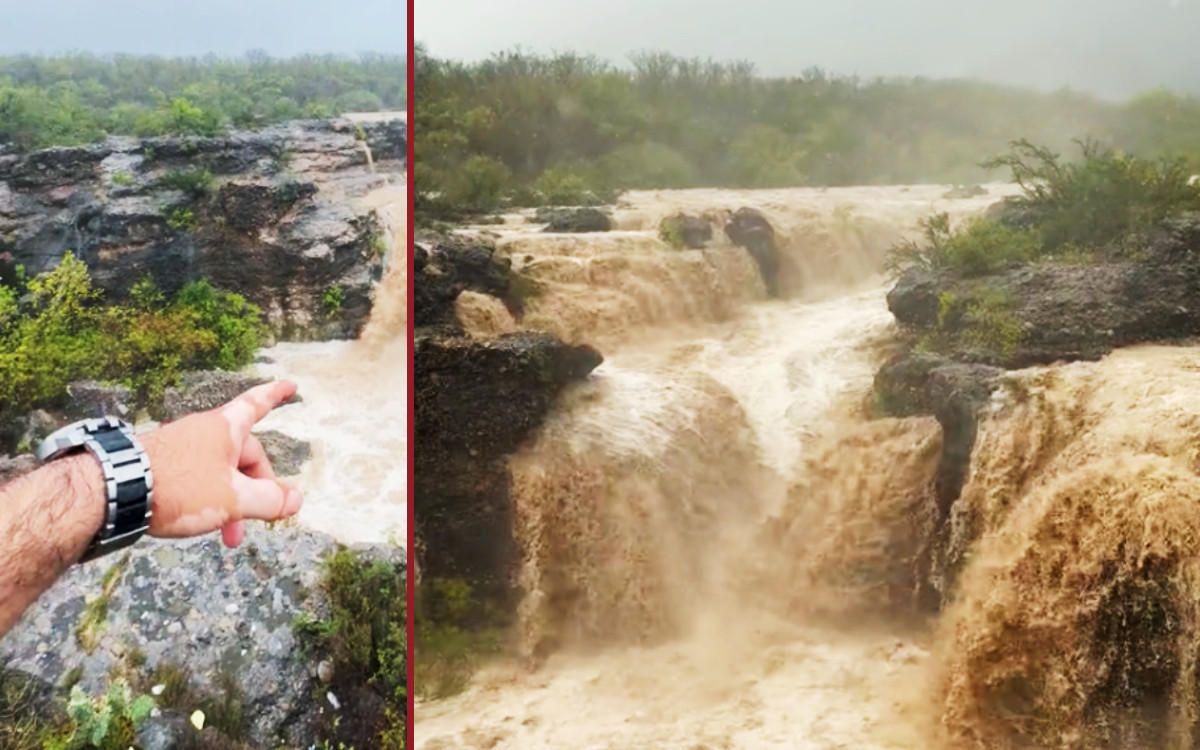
{"points": [[222, 27], [1112, 48]]}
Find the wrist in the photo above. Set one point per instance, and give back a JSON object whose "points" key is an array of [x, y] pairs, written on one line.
{"points": [[85, 485]]}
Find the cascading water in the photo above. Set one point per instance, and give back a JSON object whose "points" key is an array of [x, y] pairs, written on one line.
{"points": [[355, 408], [640, 504]]}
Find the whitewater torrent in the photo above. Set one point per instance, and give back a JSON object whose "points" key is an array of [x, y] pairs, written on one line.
{"points": [[652, 616], [355, 405]]}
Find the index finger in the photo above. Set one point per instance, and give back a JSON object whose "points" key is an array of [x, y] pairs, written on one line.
{"points": [[258, 402]]}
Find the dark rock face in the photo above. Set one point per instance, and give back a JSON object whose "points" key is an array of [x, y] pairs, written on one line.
{"points": [[692, 232], [447, 268], [576, 220], [275, 225], [475, 403], [222, 613], [917, 383], [748, 228]]}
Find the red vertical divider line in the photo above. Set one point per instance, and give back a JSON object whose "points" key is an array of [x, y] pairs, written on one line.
{"points": [[412, 399]]}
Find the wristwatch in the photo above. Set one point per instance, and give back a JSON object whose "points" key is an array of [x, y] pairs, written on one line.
{"points": [[128, 481]]}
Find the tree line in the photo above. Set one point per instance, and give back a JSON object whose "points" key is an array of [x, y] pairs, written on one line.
{"points": [[82, 98], [523, 128]]}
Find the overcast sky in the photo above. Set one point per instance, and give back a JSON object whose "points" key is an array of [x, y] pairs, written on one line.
{"points": [[1112, 47], [197, 27]]}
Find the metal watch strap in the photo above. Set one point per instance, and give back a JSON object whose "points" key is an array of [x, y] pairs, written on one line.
{"points": [[128, 481]]}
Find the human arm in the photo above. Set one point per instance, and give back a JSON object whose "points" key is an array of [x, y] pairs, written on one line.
{"points": [[209, 473]]}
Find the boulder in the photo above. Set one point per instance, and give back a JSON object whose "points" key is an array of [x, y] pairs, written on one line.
{"points": [[448, 267], [748, 228], [204, 390], [962, 192], [578, 220], [288, 455], [12, 467], [915, 383], [681, 230]]}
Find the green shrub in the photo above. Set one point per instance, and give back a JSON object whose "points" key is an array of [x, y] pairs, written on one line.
{"points": [[195, 182], [123, 179], [1101, 199], [60, 332], [559, 186], [478, 186], [453, 638], [979, 248]]}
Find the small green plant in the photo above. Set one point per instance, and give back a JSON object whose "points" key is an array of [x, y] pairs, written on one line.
{"points": [[360, 135], [180, 219], [983, 321], [95, 612], [224, 708], [669, 233], [106, 722], [196, 182], [365, 636], [72, 677], [331, 300], [377, 246], [26, 722], [123, 179]]}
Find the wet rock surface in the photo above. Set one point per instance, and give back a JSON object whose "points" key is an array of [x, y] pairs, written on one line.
{"points": [[1059, 313], [575, 220], [224, 614], [476, 401], [288, 455], [444, 268], [203, 390], [750, 229], [265, 214], [1070, 312]]}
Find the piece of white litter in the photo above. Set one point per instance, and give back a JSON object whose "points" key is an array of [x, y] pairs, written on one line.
{"points": [[157, 690], [198, 720], [231, 609], [333, 701]]}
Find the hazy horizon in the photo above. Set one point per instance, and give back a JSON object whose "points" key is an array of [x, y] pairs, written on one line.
{"points": [[221, 27], [1113, 48]]}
